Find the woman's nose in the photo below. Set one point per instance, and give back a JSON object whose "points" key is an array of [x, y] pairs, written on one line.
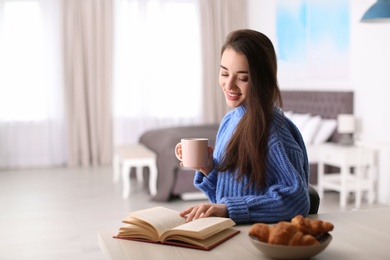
{"points": [[230, 83]]}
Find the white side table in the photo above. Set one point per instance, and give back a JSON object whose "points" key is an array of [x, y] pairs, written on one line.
{"points": [[347, 157], [382, 149], [138, 156]]}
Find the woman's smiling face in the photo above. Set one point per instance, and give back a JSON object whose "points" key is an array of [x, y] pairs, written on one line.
{"points": [[234, 77]]}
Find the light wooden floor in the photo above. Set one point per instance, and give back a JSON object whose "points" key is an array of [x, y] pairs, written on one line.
{"points": [[50, 214]]}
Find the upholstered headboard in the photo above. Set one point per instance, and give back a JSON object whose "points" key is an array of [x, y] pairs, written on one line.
{"points": [[327, 104]]}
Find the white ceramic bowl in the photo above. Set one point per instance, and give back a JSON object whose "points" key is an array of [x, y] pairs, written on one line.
{"points": [[291, 252]]}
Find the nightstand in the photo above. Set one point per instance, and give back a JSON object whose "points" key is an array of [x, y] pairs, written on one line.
{"points": [[356, 175]]}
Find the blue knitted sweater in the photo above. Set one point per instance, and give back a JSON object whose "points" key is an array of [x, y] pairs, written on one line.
{"points": [[286, 191]]}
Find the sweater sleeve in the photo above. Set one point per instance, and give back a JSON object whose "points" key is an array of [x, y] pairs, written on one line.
{"points": [[285, 196], [208, 183], [286, 189]]}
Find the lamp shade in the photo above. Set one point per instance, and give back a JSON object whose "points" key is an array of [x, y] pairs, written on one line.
{"points": [[345, 124], [378, 12]]}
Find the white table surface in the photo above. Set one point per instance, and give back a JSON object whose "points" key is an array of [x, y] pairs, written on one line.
{"points": [[362, 234]]}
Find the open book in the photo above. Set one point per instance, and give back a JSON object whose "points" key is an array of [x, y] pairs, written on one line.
{"points": [[166, 226]]}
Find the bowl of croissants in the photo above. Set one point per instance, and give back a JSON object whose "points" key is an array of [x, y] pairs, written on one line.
{"points": [[300, 238]]}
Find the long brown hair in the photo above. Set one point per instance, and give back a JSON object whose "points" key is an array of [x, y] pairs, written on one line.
{"points": [[247, 149]]}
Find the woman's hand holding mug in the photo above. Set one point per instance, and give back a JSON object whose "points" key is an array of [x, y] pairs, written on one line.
{"points": [[196, 154]]}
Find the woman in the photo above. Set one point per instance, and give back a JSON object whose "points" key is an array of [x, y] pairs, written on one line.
{"points": [[258, 171]]}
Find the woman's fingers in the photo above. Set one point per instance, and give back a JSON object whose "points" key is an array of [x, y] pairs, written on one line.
{"points": [[204, 210]]}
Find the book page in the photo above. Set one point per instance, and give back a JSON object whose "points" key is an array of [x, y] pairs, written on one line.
{"points": [[200, 228], [160, 218], [205, 244], [136, 232]]}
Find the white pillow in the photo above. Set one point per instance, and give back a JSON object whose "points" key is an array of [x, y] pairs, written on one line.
{"points": [[325, 131], [310, 129], [300, 120]]}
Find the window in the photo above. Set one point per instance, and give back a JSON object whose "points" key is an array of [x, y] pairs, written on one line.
{"points": [[32, 131], [158, 60], [21, 63]]}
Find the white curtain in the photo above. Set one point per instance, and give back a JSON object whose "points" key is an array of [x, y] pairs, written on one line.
{"points": [[165, 64], [167, 61], [218, 19], [31, 109], [88, 69], [157, 66]]}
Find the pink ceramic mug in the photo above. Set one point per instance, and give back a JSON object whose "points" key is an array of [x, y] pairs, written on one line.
{"points": [[194, 152]]}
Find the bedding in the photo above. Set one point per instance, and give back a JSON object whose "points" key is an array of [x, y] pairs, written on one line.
{"points": [[314, 130]]}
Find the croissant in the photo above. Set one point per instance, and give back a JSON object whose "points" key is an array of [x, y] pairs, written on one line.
{"points": [[312, 227], [261, 231], [282, 233], [300, 231]]}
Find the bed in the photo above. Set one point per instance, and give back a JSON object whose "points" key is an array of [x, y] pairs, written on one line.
{"points": [[309, 109], [315, 114]]}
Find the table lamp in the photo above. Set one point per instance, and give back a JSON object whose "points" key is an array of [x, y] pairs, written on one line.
{"points": [[346, 128]]}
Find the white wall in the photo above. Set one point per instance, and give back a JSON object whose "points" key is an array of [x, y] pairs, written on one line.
{"points": [[370, 76]]}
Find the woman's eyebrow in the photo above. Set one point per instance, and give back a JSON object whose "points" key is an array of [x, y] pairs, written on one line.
{"points": [[223, 67], [240, 71]]}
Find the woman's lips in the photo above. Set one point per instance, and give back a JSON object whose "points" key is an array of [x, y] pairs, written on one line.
{"points": [[233, 96]]}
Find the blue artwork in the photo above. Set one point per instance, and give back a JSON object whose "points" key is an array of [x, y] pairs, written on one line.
{"points": [[313, 38]]}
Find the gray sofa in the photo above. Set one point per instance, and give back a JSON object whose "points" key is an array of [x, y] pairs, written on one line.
{"points": [[174, 180]]}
